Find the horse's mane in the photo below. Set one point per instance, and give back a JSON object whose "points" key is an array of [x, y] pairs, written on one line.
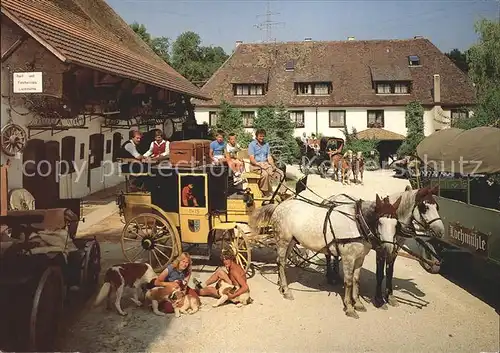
{"points": [[406, 205]]}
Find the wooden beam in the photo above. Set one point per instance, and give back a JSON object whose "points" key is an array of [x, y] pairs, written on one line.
{"points": [[140, 88], [13, 48]]}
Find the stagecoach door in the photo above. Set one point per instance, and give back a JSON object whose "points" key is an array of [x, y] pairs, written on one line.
{"points": [[193, 207]]}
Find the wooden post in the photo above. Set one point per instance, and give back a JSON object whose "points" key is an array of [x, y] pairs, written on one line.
{"points": [[3, 190]]}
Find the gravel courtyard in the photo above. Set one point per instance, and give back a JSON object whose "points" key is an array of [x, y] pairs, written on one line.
{"points": [[434, 314]]}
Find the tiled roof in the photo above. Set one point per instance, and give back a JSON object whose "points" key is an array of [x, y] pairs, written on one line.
{"points": [[90, 33], [379, 134], [349, 66]]}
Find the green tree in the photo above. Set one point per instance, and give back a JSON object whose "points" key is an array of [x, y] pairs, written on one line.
{"points": [[459, 58], [279, 132], [484, 70], [195, 62], [414, 116], [160, 45], [230, 120]]}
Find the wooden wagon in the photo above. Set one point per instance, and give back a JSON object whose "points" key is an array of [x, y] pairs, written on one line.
{"points": [[466, 166], [41, 261], [198, 207]]}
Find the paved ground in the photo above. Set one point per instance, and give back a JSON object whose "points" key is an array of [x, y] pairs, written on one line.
{"points": [[434, 315]]}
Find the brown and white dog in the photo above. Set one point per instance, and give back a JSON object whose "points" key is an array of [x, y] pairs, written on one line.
{"points": [[181, 301], [224, 288], [134, 275]]}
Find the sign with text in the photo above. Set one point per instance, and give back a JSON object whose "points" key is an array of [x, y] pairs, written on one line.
{"points": [[471, 239], [28, 82]]}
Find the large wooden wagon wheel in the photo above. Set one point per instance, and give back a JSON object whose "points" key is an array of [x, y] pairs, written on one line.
{"points": [[46, 310], [91, 268], [236, 240], [150, 238], [21, 199], [13, 139]]}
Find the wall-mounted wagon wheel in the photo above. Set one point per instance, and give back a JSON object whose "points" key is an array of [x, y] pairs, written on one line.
{"points": [[21, 199], [91, 268], [236, 241], [46, 310], [13, 139], [150, 238]]}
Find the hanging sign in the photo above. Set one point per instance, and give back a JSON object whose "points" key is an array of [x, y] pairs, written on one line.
{"points": [[28, 82]]}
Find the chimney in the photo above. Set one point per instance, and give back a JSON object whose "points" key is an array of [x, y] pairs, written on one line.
{"points": [[437, 89], [238, 42], [351, 38], [307, 39]]}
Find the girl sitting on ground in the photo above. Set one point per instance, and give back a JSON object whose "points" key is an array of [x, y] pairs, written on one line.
{"points": [[176, 277]]}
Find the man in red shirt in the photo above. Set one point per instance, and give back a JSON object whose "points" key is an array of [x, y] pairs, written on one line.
{"points": [[188, 199]]}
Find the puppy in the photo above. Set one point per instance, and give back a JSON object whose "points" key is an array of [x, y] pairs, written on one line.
{"points": [[224, 288], [181, 301], [134, 275]]}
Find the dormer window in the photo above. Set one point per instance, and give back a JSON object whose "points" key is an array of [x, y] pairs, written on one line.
{"points": [[315, 89], [248, 89], [392, 87], [413, 60]]}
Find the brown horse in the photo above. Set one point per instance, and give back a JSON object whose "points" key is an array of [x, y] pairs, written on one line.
{"points": [[358, 167], [341, 163]]}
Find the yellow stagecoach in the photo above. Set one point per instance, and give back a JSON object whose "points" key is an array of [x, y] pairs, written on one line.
{"points": [[188, 208]]}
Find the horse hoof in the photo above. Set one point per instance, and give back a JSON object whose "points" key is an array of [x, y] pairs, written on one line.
{"points": [[352, 313], [392, 301], [379, 303], [288, 295], [358, 306]]}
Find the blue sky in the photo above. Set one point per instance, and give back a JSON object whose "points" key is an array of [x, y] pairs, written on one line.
{"points": [[447, 23]]}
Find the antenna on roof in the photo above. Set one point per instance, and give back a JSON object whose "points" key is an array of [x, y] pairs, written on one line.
{"points": [[268, 24]]}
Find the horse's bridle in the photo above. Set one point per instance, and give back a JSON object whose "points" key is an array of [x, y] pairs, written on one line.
{"points": [[426, 225]]}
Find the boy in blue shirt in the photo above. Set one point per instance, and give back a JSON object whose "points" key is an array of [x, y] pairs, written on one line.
{"points": [[217, 148], [262, 162]]}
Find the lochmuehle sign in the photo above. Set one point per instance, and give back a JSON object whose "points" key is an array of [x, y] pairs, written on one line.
{"points": [[471, 239]]}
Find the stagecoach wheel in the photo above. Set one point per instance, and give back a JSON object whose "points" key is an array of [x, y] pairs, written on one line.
{"points": [[46, 311], [237, 241], [149, 238], [304, 165], [91, 268]]}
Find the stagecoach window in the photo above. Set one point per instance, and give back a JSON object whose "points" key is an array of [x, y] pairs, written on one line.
{"points": [[212, 118], [248, 118], [375, 118], [297, 117], [337, 118]]}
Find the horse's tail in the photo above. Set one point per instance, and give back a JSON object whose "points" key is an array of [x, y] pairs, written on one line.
{"points": [[261, 215]]}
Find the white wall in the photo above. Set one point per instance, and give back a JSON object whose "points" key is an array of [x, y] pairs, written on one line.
{"points": [[71, 186], [394, 120]]}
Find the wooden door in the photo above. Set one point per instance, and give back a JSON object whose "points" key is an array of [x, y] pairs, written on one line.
{"points": [[33, 154], [51, 176], [117, 144]]}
